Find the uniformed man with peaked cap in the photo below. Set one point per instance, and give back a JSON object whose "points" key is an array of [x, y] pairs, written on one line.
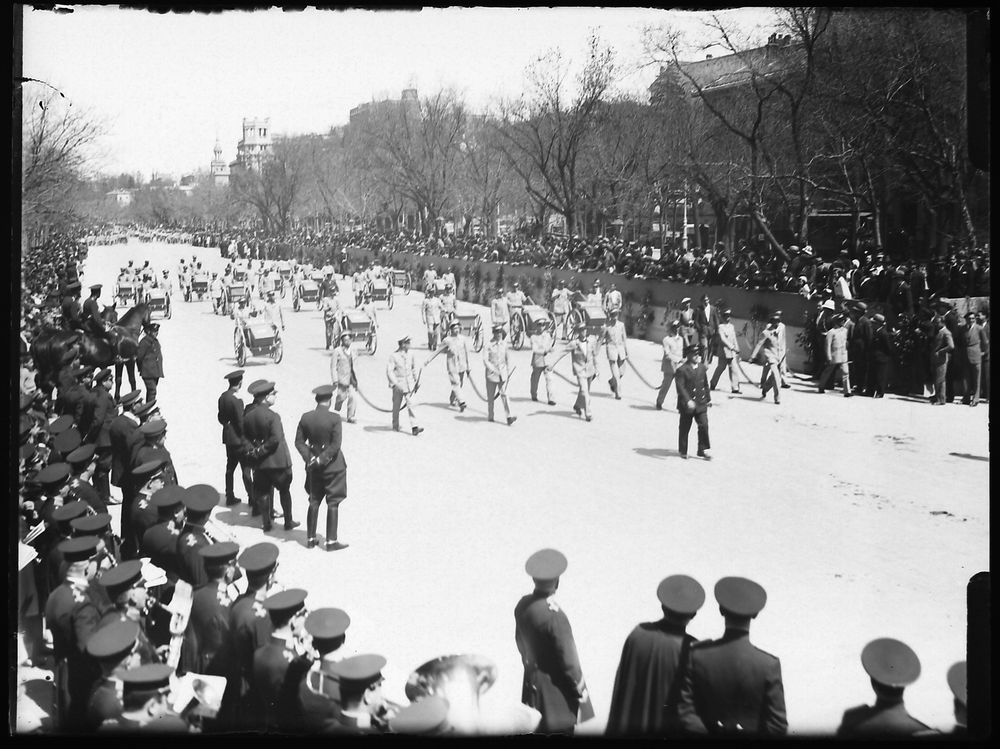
{"points": [[159, 542], [112, 648], [892, 666], [319, 692], [207, 647], [271, 661], [62, 519], [269, 455], [553, 680], [146, 702], [318, 440], [198, 503], [230, 416], [361, 705], [733, 688], [957, 683], [653, 664], [148, 478], [99, 525]]}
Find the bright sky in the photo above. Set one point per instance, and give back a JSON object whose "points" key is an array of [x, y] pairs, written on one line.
{"points": [[166, 85]]}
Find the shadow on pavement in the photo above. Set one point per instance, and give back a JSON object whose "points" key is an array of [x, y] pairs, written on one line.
{"points": [[971, 457], [380, 429], [239, 516], [648, 408], [656, 452]]}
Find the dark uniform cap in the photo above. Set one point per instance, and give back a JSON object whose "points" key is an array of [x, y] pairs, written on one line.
{"points": [[326, 624], [323, 391], [259, 557], [424, 716], [60, 425], [168, 496], [957, 682], [69, 511], [146, 677], [82, 455], [286, 600], [75, 286], [740, 596], [219, 553], [103, 374], [153, 429], [260, 387], [692, 348], [129, 398], [681, 593], [121, 577], [53, 475], [144, 408], [148, 469], [360, 669], [546, 564], [91, 525], [404, 339], [29, 452], [67, 441], [96, 287], [201, 498], [113, 640], [78, 549], [890, 662], [153, 326], [236, 374]]}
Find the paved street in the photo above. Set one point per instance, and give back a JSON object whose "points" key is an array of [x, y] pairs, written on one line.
{"points": [[861, 518]]}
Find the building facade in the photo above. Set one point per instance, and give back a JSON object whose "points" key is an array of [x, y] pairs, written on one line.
{"points": [[219, 169], [256, 143]]}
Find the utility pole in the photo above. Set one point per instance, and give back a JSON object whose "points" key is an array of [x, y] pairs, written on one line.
{"points": [[684, 230]]}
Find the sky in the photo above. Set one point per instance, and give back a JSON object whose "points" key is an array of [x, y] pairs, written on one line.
{"points": [[165, 86]]}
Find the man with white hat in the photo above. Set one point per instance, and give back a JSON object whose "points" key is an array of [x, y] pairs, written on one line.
{"points": [[496, 358], [560, 305], [455, 346], [401, 371]]}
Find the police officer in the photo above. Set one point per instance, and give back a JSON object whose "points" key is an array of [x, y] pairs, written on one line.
{"points": [[553, 680], [149, 478], [198, 503], [62, 519], [733, 688], [496, 358], [99, 525], [70, 307], [892, 666], [112, 648], [123, 435], [654, 663], [231, 409], [103, 411], [91, 315], [269, 456], [154, 432], [318, 440], [401, 371], [693, 399], [343, 376], [455, 346]]}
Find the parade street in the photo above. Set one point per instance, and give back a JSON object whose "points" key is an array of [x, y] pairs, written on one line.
{"points": [[862, 518]]}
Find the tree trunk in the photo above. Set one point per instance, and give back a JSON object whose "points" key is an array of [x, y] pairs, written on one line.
{"points": [[767, 234], [697, 221]]}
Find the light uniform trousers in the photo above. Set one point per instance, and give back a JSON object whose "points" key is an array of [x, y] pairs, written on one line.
{"points": [[493, 391], [829, 372], [398, 398], [721, 366], [457, 380], [536, 374], [583, 395], [668, 378], [347, 393]]}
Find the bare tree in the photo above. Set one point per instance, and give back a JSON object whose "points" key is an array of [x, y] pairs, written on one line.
{"points": [[276, 188]]}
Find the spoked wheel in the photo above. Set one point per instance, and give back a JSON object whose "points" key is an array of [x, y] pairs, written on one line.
{"points": [[372, 343], [477, 336], [517, 331], [277, 351], [406, 285], [390, 301], [295, 302]]}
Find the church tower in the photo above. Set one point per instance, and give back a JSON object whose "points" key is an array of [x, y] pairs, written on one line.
{"points": [[220, 169]]}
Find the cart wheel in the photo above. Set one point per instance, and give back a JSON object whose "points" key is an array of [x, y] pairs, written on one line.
{"points": [[477, 337], [295, 302], [390, 301], [372, 343], [277, 350], [406, 285]]}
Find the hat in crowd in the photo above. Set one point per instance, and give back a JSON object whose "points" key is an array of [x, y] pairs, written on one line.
{"points": [[498, 327], [727, 311], [113, 641], [75, 286], [103, 375], [808, 250], [144, 409], [129, 398], [29, 453], [793, 248], [60, 425], [425, 716], [153, 326], [323, 392], [96, 287], [775, 317], [681, 594], [359, 670], [739, 596], [82, 456], [53, 475], [878, 317], [674, 323], [546, 564], [259, 558], [145, 678], [79, 549], [686, 300], [860, 306], [346, 335], [404, 339], [67, 442], [236, 374], [957, 681], [890, 662], [91, 525], [828, 304], [121, 577], [287, 600], [169, 497], [69, 511], [148, 470], [692, 348], [153, 429], [219, 553], [327, 624], [260, 387], [454, 324], [200, 498]]}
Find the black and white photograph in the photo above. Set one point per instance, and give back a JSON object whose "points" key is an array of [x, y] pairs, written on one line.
{"points": [[598, 372]]}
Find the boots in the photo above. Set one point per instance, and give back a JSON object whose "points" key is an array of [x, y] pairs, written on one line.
{"points": [[332, 516], [312, 519]]}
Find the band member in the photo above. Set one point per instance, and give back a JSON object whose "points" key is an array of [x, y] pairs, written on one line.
{"points": [[496, 358], [318, 439], [693, 399], [231, 417], [112, 648], [401, 372], [615, 341], [198, 502], [362, 707], [455, 346], [268, 454], [343, 377], [271, 661], [542, 344], [319, 691]]}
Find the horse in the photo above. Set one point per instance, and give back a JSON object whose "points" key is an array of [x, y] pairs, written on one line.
{"points": [[51, 348]]}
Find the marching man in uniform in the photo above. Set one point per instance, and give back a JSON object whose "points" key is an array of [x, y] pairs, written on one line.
{"points": [[693, 399], [231, 418], [583, 351], [560, 305], [496, 357], [553, 679], [430, 311], [343, 377], [318, 439], [455, 346], [616, 345], [500, 309], [401, 372], [541, 346]]}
